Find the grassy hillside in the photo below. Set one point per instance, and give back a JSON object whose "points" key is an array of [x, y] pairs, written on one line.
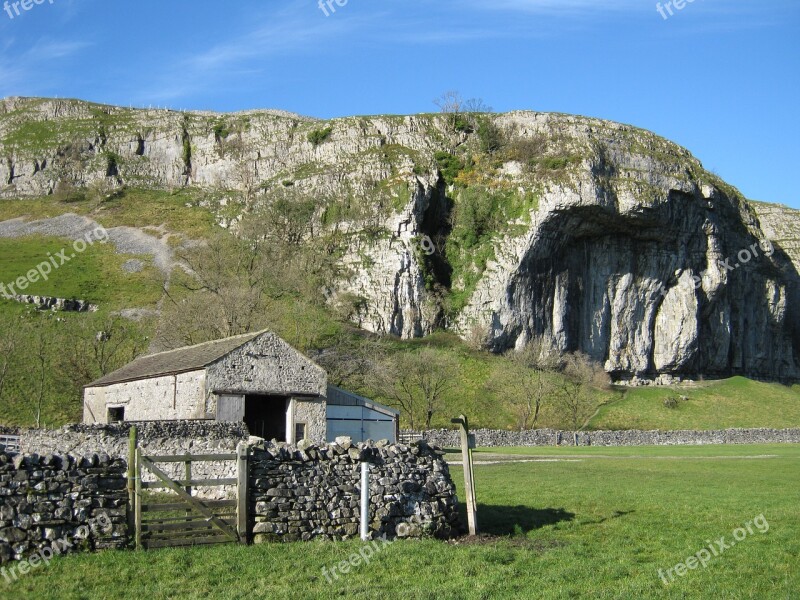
{"points": [[48, 357], [736, 402], [95, 275], [592, 527]]}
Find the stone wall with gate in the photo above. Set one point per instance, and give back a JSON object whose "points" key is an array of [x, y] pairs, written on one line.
{"points": [[54, 500], [155, 438]]}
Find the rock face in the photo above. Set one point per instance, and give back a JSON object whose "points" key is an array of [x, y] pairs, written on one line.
{"points": [[625, 248]]}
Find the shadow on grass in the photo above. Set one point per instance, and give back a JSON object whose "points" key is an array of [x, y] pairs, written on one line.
{"points": [[515, 520], [615, 515]]}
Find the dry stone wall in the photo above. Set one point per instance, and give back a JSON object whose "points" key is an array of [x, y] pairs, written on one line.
{"points": [[489, 438], [308, 491], [55, 504]]}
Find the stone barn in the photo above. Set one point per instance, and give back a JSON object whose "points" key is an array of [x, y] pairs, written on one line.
{"points": [[256, 378]]}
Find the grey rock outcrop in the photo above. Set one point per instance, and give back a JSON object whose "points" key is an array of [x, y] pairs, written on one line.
{"points": [[57, 304], [632, 252]]}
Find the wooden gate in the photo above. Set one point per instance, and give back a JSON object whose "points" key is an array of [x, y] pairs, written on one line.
{"points": [[183, 519]]}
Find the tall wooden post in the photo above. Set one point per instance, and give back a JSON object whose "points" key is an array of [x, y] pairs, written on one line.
{"points": [[138, 511], [242, 452], [187, 472], [132, 442], [469, 475]]}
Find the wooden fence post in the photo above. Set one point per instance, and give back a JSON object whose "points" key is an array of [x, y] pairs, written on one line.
{"points": [[138, 512], [188, 476], [242, 471], [469, 475], [132, 443]]}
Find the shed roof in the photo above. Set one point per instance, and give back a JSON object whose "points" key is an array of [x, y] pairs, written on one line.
{"points": [[182, 360], [340, 397]]}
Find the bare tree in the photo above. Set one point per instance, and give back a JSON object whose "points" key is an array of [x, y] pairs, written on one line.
{"points": [[8, 347], [453, 104], [222, 294], [42, 356], [576, 402], [530, 386], [417, 382], [352, 362], [102, 345]]}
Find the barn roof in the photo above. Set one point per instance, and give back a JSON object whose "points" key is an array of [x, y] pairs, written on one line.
{"points": [[182, 360], [340, 397]]}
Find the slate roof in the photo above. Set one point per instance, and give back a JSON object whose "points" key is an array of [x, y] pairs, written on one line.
{"points": [[182, 360]]}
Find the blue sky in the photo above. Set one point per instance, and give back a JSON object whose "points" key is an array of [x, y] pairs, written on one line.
{"points": [[721, 77]]}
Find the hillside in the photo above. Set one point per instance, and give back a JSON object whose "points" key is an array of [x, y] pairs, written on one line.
{"points": [[495, 229]]}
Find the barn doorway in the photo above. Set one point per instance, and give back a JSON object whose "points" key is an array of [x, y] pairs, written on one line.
{"points": [[265, 416]]}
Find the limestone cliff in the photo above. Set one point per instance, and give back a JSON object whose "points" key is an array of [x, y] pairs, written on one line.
{"points": [[598, 236]]}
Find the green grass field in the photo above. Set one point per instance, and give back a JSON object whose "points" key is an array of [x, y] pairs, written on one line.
{"points": [[95, 275], [594, 523], [730, 403]]}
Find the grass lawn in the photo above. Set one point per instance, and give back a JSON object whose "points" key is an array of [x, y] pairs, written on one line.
{"points": [[599, 526], [730, 403]]}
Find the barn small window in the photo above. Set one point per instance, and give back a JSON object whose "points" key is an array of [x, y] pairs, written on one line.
{"points": [[116, 415], [299, 432]]}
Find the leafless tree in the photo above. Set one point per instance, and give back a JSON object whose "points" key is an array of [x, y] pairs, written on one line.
{"points": [[42, 356], [222, 294], [576, 402], [529, 384], [8, 346], [102, 345], [418, 381]]}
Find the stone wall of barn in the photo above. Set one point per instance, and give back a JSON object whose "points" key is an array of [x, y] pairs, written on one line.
{"points": [[171, 397], [267, 365], [314, 414], [56, 504], [307, 491]]}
